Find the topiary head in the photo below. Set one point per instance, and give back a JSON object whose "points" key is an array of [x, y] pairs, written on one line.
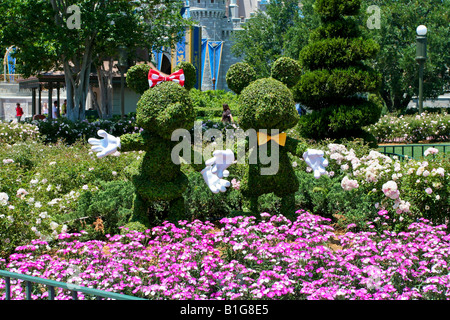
{"points": [[165, 108], [267, 104], [239, 76]]}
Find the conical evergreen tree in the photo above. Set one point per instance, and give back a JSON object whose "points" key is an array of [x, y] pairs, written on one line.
{"points": [[337, 83]]}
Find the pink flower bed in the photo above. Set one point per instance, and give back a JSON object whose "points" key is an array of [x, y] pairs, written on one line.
{"points": [[268, 258]]}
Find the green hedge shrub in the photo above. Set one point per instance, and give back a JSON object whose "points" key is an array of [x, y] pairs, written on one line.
{"points": [[286, 70], [332, 9], [239, 76], [321, 88], [337, 52]]}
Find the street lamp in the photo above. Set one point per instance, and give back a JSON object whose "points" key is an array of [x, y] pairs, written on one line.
{"points": [[421, 56], [123, 66]]}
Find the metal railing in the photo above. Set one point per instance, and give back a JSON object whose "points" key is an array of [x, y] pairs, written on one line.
{"points": [[51, 284], [416, 151]]}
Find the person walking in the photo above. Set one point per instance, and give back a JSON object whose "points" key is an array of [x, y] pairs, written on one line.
{"points": [[55, 110], [64, 108], [19, 112], [226, 115]]}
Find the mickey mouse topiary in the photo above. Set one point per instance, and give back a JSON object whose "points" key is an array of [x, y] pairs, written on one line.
{"points": [[267, 104]]}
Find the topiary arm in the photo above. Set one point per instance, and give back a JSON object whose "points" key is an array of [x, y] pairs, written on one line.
{"points": [[132, 142], [295, 147], [313, 158]]}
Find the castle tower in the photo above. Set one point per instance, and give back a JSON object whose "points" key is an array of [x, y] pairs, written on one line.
{"points": [[216, 26], [218, 19]]}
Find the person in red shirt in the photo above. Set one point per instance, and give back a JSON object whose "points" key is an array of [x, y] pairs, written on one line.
{"points": [[19, 112]]}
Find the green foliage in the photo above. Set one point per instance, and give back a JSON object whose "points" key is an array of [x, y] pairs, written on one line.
{"points": [[267, 104], [337, 52], [343, 121], [414, 128], [112, 203], [397, 39], [11, 133], [345, 27], [239, 76], [190, 74], [39, 29], [333, 9], [51, 131], [270, 35], [338, 80], [210, 103], [286, 70], [165, 108], [137, 78], [323, 88]]}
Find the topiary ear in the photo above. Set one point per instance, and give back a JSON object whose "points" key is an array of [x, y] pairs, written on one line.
{"points": [[137, 78], [239, 76], [286, 70], [190, 74]]}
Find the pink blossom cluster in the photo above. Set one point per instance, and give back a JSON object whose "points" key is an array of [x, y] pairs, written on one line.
{"points": [[247, 258]]}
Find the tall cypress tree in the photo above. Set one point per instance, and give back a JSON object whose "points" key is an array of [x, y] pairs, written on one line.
{"points": [[337, 82]]}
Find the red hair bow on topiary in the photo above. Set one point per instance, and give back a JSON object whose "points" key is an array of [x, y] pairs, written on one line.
{"points": [[156, 77]]}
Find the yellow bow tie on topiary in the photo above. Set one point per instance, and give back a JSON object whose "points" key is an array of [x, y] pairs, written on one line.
{"points": [[264, 138]]}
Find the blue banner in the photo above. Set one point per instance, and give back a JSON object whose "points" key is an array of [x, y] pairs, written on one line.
{"points": [[196, 54], [180, 54], [158, 57], [204, 51], [215, 55]]}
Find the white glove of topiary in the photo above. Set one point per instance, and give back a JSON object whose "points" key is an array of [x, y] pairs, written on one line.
{"points": [[220, 161], [214, 183], [315, 160], [106, 146], [216, 169]]}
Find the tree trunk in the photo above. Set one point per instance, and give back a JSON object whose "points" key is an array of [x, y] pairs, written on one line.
{"points": [[105, 78]]}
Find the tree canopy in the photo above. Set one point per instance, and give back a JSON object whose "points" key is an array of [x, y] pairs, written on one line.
{"points": [[45, 38]]}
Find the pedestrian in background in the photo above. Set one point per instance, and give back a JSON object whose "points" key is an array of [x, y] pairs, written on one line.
{"points": [[19, 112]]}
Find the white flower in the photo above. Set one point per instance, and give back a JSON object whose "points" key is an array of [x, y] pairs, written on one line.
{"points": [[438, 197], [6, 161], [294, 164], [114, 173], [44, 181], [3, 198], [348, 184], [37, 204], [53, 225], [43, 215], [430, 151], [21, 193], [52, 163], [85, 187], [390, 190]]}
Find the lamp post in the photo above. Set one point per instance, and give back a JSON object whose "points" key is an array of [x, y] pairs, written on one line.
{"points": [[421, 57], [123, 66]]}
